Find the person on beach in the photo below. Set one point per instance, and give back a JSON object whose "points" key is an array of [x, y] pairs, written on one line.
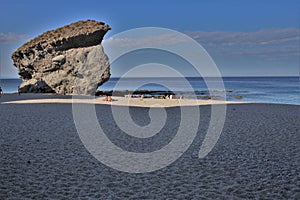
{"points": [[19, 90], [128, 96], [107, 98], [1, 91]]}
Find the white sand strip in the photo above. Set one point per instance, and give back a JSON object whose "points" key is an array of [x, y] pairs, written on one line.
{"points": [[122, 101]]}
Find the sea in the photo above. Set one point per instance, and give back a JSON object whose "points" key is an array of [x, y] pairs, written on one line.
{"points": [[278, 90]]}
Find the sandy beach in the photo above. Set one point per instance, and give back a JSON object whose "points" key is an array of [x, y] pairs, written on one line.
{"points": [[116, 101], [42, 156]]}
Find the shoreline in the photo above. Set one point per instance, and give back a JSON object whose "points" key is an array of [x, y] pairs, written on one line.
{"points": [[14, 98], [245, 89], [116, 101]]}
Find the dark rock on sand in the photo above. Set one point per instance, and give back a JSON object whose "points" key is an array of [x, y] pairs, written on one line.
{"points": [[209, 97], [57, 60]]}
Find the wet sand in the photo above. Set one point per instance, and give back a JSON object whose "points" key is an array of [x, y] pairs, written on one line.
{"points": [[42, 157]]}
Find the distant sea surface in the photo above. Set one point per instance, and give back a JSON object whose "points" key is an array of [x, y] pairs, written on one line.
{"points": [[282, 90]]}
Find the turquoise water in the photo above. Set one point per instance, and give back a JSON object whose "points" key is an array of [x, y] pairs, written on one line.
{"points": [[283, 90]]}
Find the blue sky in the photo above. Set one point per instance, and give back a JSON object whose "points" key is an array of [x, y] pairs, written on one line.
{"points": [[245, 38]]}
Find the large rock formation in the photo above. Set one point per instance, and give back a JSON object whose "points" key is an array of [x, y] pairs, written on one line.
{"points": [[64, 61]]}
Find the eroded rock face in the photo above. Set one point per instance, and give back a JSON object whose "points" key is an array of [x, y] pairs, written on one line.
{"points": [[68, 60]]}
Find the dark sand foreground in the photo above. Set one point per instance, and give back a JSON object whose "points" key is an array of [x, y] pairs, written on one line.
{"points": [[42, 157]]}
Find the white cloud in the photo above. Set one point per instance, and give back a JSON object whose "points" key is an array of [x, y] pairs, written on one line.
{"points": [[261, 37], [268, 44], [6, 38], [156, 40]]}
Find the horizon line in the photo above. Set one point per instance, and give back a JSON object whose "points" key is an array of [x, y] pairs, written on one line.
{"points": [[187, 76]]}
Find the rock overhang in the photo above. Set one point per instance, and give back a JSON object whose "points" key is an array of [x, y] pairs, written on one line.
{"points": [[58, 57]]}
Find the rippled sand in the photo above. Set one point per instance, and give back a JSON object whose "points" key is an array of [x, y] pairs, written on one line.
{"points": [[42, 157]]}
